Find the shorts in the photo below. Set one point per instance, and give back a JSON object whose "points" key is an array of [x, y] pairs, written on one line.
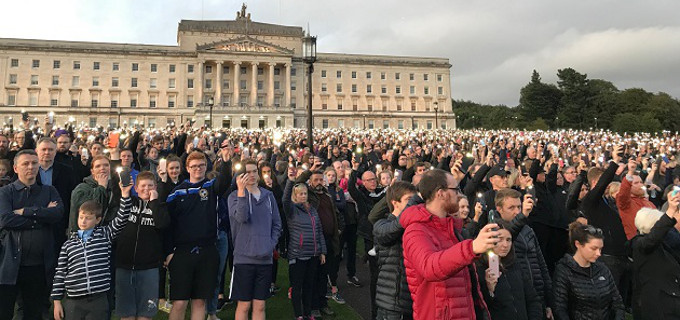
{"points": [[250, 282], [193, 273], [136, 293]]}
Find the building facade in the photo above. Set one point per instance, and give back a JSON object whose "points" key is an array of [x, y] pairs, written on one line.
{"points": [[235, 73]]}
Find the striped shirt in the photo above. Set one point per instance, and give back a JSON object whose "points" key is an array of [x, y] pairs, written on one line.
{"points": [[83, 267]]}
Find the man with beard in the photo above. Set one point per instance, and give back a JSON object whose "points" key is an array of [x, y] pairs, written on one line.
{"points": [[4, 146], [66, 157]]}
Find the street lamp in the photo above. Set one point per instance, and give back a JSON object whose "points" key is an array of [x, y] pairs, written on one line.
{"points": [[596, 123], [436, 110], [309, 57], [211, 104]]}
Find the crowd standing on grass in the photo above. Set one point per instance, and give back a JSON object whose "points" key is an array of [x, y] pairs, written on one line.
{"points": [[455, 224]]}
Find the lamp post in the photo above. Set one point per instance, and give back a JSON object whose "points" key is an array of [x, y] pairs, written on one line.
{"points": [[309, 57], [436, 110], [595, 123], [211, 104]]}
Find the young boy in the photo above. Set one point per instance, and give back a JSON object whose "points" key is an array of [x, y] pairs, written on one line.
{"points": [[83, 273]]}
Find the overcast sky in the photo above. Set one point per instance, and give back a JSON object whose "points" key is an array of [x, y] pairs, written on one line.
{"points": [[492, 45]]}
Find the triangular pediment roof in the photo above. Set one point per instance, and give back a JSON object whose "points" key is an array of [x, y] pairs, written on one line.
{"points": [[246, 44]]}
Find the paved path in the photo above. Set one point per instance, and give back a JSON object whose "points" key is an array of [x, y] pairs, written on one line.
{"points": [[357, 298]]}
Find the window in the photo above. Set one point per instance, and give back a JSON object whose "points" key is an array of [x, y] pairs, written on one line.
{"points": [[243, 84], [386, 124], [400, 124], [426, 90], [74, 101], [340, 105], [371, 124], [354, 88], [171, 83], [153, 83], [244, 70], [260, 85], [355, 104], [14, 63], [397, 89], [413, 106], [114, 102], [439, 78], [260, 71], [75, 81], [277, 71], [171, 68], [429, 124], [76, 65], [94, 102], [324, 103], [225, 69], [323, 73], [414, 124], [54, 102], [208, 69], [12, 79], [154, 67], [114, 82], [324, 123], [190, 83], [35, 64], [55, 80], [412, 90], [368, 75], [56, 64], [338, 74], [190, 101], [324, 87], [293, 71], [397, 76], [341, 123], [133, 83], [11, 99], [93, 122], [260, 100], [171, 101], [190, 68], [133, 102], [354, 74], [226, 85], [277, 85], [426, 76], [95, 81], [440, 90], [135, 67], [338, 88], [293, 85], [369, 88], [383, 76], [115, 66], [95, 65], [411, 76], [152, 101], [34, 80], [383, 89]]}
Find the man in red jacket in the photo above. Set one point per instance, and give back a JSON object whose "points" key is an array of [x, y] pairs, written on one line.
{"points": [[630, 199], [435, 256]]}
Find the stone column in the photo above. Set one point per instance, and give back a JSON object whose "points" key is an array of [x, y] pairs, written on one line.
{"points": [[237, 83], [218, 84], [287, 84], [199, 85], [270, 85], [253, 86]]}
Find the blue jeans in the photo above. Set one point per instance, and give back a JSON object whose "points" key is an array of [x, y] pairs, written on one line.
{"points": [[222, 250]]}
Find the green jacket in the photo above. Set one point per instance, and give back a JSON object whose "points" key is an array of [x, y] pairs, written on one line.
{"points": [[89, 189]]}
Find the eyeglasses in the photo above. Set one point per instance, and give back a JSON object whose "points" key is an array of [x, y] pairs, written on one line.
{"points": [[371, 179], [197, 166], [455, 189], [593, 231]]}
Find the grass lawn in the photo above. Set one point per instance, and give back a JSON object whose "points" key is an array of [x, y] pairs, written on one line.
{"points": [[279, 307]]}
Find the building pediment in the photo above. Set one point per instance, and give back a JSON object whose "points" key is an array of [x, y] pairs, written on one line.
{"points": [[245, 44]]}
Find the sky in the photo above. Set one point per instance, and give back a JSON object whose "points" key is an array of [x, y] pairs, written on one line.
{"points": [[492, 45]]}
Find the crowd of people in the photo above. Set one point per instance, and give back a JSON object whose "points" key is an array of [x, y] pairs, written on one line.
{"points": [[455, 224]]}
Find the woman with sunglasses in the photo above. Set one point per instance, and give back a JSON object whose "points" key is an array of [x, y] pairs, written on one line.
{"points": [[306, 248], [584, 288]]}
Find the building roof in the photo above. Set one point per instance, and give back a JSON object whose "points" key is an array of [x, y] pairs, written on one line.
{"points": [[89, 47], [365, 59], [240, 26]]}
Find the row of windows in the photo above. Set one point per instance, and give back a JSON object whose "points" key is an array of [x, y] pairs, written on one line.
{"points": [[115, 66], [369, 105], [383, 75], [383, 89], [153, 82], [370, 124]]}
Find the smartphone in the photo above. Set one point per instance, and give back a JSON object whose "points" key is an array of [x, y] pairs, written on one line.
{"points": [[398, 174], [494, 263], [664, 157], [24, 115], [162, 165], [195, 142], [480, 199], [85, 153], [532, 192], [675, 191], [125, 176]]}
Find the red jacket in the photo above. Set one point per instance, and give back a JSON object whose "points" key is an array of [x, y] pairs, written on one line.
{"points": [[629, 205], [436, 266]]}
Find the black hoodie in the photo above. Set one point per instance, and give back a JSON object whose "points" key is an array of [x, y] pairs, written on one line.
{"points": [[140, 243]]}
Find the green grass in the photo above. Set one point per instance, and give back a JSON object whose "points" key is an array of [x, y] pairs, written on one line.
{"points": [[278, 306]]}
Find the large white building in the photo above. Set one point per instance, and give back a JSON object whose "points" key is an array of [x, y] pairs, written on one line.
{"points": [[252, 72]]}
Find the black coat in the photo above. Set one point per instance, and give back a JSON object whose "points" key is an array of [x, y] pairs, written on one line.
{"points": [[658, 273], [514, 297], [392, 293], [64, 180], [530, 259], [585, 294]]}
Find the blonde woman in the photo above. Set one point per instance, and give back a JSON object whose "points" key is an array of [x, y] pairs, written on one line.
{"points": [[306, 247]]}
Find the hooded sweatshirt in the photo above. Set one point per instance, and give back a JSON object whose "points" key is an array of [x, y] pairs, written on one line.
{"points": [[140, 244], [255, 227]]}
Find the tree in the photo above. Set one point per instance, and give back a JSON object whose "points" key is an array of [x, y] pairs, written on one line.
{"points": [[539, 100], [574, 104]]}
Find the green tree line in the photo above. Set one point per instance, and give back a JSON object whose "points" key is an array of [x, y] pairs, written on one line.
{"points": [[575, 102]]}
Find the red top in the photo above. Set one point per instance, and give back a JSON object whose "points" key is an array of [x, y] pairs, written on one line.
{"points": [[629, 205]]}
